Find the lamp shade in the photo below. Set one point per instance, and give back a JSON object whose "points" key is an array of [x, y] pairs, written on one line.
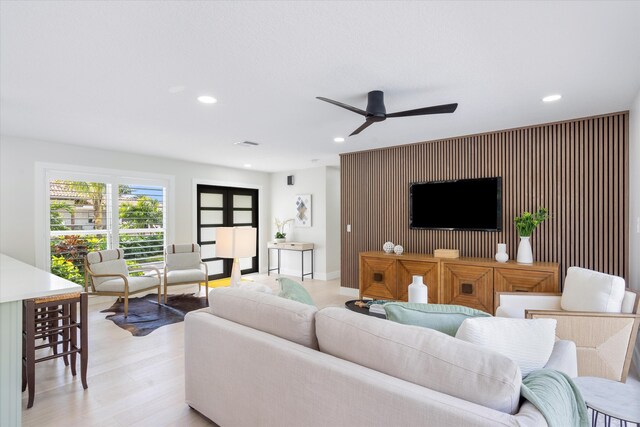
{"points": [[236, 242]]}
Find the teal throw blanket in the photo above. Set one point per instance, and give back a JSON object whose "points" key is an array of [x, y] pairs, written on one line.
{"points": [[557, 397]]}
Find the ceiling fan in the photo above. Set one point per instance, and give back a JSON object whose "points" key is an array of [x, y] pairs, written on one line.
{"points": [[376, 112]]}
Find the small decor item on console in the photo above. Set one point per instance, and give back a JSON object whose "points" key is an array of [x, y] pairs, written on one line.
{"points": [[526, 224], [388, 247], [418, 291], [502, 255], [446, 253], [398, 249]]}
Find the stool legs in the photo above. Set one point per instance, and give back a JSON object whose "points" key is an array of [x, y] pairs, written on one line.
{"points": [[51, 319]]}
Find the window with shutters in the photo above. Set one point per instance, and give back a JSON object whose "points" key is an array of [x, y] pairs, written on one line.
{"points": [[86, 216]]}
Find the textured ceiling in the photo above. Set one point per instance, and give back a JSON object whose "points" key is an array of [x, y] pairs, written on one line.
{"points": [[125, 75]]}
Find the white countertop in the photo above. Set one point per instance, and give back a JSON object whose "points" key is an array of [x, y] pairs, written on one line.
{"points": [[19, 281]]}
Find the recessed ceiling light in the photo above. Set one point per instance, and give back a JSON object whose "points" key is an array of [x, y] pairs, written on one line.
{"points": [[206, 99], [247, 165], [551, 98], [338, 139]]}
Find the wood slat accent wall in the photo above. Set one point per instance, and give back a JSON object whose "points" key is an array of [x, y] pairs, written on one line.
{"points": [[578, 169]]}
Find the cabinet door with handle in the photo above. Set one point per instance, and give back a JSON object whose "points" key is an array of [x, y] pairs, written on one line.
{"points": [[468, 285], [429, 272], [377, 277], [524, 280]]}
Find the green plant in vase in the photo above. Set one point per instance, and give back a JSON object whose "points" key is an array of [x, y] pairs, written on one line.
{"points": [[526, 224]]}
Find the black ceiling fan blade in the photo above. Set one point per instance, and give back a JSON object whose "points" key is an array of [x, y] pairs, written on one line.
{"points": [[361, 128], [345, 106], [436, 109]]}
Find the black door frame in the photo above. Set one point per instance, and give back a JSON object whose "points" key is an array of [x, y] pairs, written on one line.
{"points": [[227, 219]]}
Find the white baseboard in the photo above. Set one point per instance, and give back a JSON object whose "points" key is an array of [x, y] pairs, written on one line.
{"points": [[350, 292]]}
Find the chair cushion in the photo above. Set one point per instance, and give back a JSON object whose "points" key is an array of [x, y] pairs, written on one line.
{"points": [[183, 257], [284, 318], [422, 356], [183, 248], [106, 255], [441, 317], [588, 290], [115, 266], [181, 276], [528, 342], [136, 283]]}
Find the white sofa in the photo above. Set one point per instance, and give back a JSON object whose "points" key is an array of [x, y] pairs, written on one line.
{"points": [[254, 359]]}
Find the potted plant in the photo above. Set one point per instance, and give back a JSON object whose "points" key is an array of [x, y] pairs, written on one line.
{"points": [[525, 225], [281, 236]]}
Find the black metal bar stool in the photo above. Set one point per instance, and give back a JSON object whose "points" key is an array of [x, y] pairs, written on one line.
{"points": [[55, 320]]}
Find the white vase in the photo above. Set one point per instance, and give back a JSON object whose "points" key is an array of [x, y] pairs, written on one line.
{"points": [[502, 255], [398, 249], [282, 240], [387, 247], [525, 254], [418, 290]]}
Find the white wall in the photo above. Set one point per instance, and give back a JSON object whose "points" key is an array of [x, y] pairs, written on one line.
{"points": [[321, 183], [17, 187], [634, 204]]}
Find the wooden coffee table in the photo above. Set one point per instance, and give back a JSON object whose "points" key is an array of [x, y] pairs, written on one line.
{"points": [[611, 399]]}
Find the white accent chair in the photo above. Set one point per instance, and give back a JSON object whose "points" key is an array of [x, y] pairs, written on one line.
{"points": [[183, 265], [595, 311], [107, 274]]}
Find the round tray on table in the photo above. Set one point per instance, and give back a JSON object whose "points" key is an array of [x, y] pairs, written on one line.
{"points": [[351, 305]]}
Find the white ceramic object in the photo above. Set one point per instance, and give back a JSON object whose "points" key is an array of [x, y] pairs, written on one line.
{"points": [[280, 240], [388, 247], [398, 249], [525, 254], [418, 291], [502, 255]]}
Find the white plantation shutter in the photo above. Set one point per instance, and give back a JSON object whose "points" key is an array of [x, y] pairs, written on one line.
{"points": [[85, 216]]}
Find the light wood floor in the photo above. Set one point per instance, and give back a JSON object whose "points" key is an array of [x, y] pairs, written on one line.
{"points": [[133, 381], [138, 381]]}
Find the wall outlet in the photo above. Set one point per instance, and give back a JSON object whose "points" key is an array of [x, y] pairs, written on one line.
{"points": [[349, 227]]}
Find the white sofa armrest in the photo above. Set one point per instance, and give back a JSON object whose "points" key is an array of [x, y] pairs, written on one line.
{"points": [[513, 304], [564, 358]]}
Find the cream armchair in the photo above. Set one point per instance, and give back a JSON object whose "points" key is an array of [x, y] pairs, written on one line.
{"points": [[106, 273], [183, 266], [595, 311]]}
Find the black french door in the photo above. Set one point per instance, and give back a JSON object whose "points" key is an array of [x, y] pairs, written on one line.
{"points": [[225, 207]]}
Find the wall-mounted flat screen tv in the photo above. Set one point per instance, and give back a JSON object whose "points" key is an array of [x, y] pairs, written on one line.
{"points": [[463, 204]]}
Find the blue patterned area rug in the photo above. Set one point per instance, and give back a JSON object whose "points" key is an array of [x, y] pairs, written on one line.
{"points": [[146, 315]]}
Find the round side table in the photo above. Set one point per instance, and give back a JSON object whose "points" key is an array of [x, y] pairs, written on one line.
{"points": [[611, 399]]}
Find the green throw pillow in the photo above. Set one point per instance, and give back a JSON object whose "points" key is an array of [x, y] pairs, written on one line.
{"points": [[441, 317], [293, 290]]}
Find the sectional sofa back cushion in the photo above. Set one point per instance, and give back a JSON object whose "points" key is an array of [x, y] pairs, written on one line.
{"points": [[281, 317], [422, 356]]}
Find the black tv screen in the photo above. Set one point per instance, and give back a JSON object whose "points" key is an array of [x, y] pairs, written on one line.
{"points": [[464, 204]]}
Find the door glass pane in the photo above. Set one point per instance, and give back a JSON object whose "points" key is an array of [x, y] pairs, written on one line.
{"points": [[210, 217], [241, 201], [245, 263], [208, 234], [215, 267], [208, 200], [242, 217], [208, 251]]}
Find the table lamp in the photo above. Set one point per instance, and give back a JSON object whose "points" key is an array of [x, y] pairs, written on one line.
{"points": [[235, 242]]}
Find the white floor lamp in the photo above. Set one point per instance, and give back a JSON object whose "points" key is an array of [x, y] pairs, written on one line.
{"points": [[236, 242]]}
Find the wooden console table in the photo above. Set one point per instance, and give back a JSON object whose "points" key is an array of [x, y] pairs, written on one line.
{"points": [[471, 282], [290, 246]]}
